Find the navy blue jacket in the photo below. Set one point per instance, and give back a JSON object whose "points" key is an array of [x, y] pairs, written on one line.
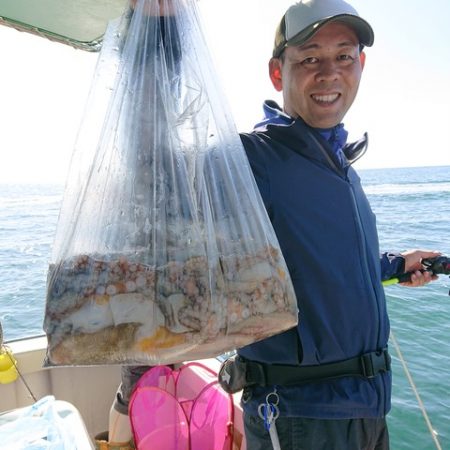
{"points": [[327, 233]]}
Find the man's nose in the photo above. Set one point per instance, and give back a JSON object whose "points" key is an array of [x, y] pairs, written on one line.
{"points": [[328, 70]]}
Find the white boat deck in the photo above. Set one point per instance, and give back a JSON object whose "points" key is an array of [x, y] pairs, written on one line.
{"points": [[90, 390]]}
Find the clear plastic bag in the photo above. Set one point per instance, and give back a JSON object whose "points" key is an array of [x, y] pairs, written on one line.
{"points": [[164, 251], [38, 427]]}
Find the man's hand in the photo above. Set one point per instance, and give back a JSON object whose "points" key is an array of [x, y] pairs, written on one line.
{"points": [[413, 263]]}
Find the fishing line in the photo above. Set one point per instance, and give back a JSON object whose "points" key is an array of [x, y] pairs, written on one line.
{"points": [[416, 392], [8, 353], [21, 376]]}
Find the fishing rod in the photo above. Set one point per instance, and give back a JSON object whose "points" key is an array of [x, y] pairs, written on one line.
{"points": [[440, 265]]}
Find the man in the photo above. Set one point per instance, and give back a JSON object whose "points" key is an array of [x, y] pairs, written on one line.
{"points": [[328, 394]]}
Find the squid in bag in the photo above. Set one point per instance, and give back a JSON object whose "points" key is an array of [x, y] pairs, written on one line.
{"points": [[164, 251]]}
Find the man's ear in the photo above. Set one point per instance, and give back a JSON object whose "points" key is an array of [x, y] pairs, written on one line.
{"points": [[362, 58], [275, 73]]}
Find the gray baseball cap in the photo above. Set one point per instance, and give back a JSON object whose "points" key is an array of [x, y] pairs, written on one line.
{"points": [[303, 19]]}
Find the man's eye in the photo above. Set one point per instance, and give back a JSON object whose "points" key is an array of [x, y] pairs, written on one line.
{"points": [[345, 58], [310, 60]]}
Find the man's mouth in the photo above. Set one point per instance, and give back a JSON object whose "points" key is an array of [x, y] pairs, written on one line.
{"points": [[327, 99]]}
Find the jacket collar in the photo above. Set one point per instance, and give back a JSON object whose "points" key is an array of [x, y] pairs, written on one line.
{"points": [[334, 140]]}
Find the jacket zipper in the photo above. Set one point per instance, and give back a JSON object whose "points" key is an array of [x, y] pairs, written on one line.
{"points": [[328, 158], [365, 266]]}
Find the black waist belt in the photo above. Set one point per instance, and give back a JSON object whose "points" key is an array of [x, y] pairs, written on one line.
{"points": [[368, 365]]}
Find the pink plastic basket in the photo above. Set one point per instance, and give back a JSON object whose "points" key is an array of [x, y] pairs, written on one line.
{"points": [[184, 409]]}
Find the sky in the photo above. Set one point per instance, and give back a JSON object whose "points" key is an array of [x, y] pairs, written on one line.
{"points": [[403, 101]]}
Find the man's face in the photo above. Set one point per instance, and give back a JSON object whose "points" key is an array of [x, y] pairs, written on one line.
{"points": [[320, 78]]}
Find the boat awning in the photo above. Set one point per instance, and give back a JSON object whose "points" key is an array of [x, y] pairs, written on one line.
{"points": [[80, 23]]}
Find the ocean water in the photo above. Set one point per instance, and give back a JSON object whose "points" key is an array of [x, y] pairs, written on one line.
{"points": [[413, 211]]}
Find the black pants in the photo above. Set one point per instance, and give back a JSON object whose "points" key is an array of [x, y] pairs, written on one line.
{"points": [[297, 433], [130, 376]]}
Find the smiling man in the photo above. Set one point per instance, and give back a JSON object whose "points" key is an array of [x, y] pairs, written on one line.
{"points": [[320, 78], [325, 384]]}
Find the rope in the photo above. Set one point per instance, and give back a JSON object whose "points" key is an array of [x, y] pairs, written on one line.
{"points": [[2, 346], [416, 392], [20, 374]]}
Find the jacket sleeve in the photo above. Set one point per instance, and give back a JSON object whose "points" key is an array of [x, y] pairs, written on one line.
{"points": [[392, 265]]}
